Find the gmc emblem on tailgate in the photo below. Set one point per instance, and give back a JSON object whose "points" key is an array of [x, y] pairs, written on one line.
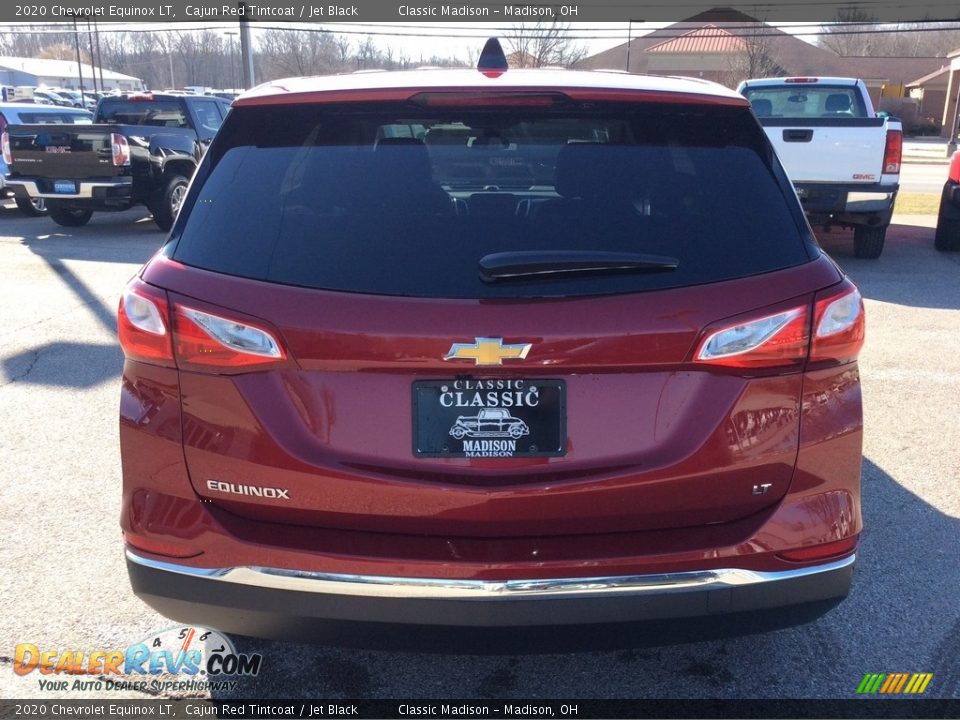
{"points": [[58, 148]]}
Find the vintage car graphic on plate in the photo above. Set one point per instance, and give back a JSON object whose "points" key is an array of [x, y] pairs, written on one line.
{"points": [[489, 423]]}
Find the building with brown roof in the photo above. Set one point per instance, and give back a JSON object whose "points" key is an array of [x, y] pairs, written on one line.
{"points": [[728, 46]]}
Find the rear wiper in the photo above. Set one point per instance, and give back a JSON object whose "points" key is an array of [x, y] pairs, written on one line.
{"points": [[533, 263]]}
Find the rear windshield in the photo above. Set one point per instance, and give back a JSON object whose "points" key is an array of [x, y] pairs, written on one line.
{"points": [[806, 100], [410, 201], [47, 117], [159, 113]]}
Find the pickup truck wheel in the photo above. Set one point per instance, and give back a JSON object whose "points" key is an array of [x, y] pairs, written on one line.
{"points": [[947, 238], [167, 206], [32, 207], [868, 241], [70, 218]]}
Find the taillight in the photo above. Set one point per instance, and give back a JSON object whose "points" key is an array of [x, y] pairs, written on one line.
{"points": [[7, 155], [143, 324], [893, 152], [788, 339], [211, 340], [954, 168], [119, 150], [838, 324], [150, 331], [487, 99], [774, 340]]}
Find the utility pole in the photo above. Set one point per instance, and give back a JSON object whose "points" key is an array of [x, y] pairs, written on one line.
{"points": [[233, 58], [629, 38], [246, 48], [96, 32], [93, 60], [76, 42]]}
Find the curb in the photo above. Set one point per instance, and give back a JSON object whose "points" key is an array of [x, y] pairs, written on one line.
{"points": [[925, 160]]}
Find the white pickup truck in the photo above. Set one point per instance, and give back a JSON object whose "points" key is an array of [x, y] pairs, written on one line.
{"points": [[842, 157]]}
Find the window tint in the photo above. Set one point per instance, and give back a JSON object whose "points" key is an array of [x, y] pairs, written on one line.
{"points": [[804, 100], [208, 114], [54, 118], [159, 113], [402, 202]]}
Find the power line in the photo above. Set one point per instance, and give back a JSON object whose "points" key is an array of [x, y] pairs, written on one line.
{"points": [[828, 29]]}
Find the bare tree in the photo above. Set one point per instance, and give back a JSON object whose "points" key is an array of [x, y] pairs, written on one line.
{"points": [[844, 38], [758, 55], [543, 43], [368, 54], [343, 45], [857, 34], [63, 51], [297, 52], [26, 42]]}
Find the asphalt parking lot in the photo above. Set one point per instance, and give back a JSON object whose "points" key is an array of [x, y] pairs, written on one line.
{"points": [[65, 585]]}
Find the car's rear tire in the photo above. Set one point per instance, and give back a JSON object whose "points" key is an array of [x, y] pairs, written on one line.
{"points": [[868, 241], [167, 205], [32, 207], [69, 217]]}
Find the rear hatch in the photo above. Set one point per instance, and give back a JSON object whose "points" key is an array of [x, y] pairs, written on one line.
{"points": [[487, 323]]}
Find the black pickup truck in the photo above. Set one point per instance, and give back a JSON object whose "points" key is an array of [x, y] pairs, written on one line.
{"points": [[141, 149]]}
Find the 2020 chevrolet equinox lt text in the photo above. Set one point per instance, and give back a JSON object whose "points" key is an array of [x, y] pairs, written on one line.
{"points": [[615, 263]]}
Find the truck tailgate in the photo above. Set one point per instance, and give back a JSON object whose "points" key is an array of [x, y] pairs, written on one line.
{"points": [[68, 152], [842, 150]]}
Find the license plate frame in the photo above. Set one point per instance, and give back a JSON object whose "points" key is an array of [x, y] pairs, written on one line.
{"points": [[518, 418]]}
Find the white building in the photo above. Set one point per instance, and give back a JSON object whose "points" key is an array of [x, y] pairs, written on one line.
{"points": [[16, 72]]}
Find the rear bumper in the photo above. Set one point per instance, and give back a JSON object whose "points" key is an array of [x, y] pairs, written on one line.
{"points": [[951, 197], [283, 603], [106, 190], [848, 201]]}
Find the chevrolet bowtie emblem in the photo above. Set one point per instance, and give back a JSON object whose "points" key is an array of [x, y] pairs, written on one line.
{"points": [[488, 351]]}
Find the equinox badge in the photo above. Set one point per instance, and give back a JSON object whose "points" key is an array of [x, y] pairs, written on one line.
{"points": [[487, 351]]}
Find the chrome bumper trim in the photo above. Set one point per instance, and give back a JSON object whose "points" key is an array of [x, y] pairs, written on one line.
{"points": [[443, 589], [85, 189], [867, 201]]}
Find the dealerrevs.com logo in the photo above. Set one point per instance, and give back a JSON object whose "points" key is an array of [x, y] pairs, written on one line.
{"points": [[178, 658]]}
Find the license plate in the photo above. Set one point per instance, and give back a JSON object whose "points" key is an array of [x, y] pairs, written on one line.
{"points": [[489, 418], [64, 186]]}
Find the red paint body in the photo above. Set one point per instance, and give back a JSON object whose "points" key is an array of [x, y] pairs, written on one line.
{"points": [[650, 482]]}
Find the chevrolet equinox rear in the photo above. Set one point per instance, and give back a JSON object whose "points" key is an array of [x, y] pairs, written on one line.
{"points": [[489, 348]]}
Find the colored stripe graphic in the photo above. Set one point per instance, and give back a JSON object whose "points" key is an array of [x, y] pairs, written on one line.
{"points": [[918, 683], [894, 683], [870, 683]]}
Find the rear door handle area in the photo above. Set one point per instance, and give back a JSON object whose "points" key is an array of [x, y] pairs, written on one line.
{"points": [[797, 135]]}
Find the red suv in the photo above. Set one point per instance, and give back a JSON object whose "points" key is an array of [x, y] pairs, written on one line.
{"points": [[365, 263]]}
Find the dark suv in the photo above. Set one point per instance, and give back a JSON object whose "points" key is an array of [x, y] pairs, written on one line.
{"points": [[616, 261]]}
